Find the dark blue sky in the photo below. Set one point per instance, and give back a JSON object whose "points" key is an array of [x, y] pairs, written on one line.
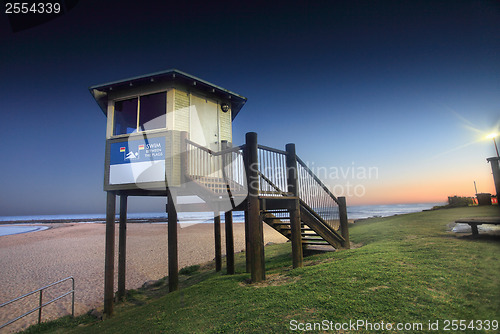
{"points": [[408, 87]]}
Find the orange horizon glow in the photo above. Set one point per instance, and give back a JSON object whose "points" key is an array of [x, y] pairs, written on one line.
{"points": [[416, 191]]}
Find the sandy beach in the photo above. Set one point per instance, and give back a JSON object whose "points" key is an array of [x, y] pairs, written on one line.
{"points": [[32, 260]]}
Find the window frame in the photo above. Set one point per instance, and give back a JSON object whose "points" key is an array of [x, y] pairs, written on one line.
{"points": [[138, 113]]}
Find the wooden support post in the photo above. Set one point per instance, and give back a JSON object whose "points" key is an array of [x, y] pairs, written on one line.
{"points": [[122, 247], [226, 170], [109, 258], [344, 229], [218, 242], [474, 229], [228, 224], [292, 180], [173, 265], [297, 251], [255, 229], [247, 243]]}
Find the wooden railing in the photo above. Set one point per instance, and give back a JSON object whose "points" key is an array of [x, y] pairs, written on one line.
{"points": [[223, 169], [316, 196], [313, 193], [272, 171], [216, 170]]}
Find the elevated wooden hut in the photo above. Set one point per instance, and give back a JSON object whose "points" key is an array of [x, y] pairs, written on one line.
{"points": [[170, 134]]}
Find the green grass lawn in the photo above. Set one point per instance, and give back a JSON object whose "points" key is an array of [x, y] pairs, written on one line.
{"points": [[407, 269]]}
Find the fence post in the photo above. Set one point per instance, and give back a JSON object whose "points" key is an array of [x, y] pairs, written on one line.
{"points": [[173, 265], [122, 247], [292, 180], [344, 229], [109, 258], [40, 308], [72, 297], [255, 228]]}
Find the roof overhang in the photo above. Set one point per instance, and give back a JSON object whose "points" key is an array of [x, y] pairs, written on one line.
{"points": [[101, 92]]}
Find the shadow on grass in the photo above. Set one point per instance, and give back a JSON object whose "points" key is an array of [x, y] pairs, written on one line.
{"points": [[488, 237]]}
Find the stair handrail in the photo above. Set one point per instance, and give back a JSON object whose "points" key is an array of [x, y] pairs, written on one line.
{"points": [[325, 188], [272, 170], [269, 182], [271, 149]]}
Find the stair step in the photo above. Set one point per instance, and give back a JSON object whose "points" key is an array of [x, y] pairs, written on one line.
{"points": [[312, 237], [317, 243], [278, 223], [287, 228]]}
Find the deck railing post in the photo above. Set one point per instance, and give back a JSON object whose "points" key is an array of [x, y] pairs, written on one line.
{"points": [[173, 265], [344, 229], [122, 247], [109, 258], [292, 180], [255, 228], [184, 157]]}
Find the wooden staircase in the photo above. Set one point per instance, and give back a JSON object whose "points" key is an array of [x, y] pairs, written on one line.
{"points": [[278, 194], [314, 230]]}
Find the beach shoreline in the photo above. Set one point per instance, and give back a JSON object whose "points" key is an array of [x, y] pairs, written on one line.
{"points": [[34, 259]]}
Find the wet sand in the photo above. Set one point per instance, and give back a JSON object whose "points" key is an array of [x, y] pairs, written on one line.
{"points": [[31, 260]]}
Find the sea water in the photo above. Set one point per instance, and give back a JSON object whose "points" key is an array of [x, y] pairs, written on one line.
{"points": [[189, 218], [16, 229]]}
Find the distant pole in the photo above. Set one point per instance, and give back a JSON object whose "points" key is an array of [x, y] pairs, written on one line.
{"points": [[495, 169], [496, 147], [493, 136], [475, 188], [109, 257]]}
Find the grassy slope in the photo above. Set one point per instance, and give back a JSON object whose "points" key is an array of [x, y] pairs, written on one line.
{"points": [[409, 269]]}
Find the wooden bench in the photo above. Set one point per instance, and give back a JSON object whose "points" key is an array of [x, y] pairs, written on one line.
{"points": [[473, 222]]}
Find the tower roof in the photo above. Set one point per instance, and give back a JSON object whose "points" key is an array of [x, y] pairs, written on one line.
{"points": [[100, 92]]}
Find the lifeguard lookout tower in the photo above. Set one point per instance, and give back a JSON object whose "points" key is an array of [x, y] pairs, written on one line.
{"points": [[170, 134]]}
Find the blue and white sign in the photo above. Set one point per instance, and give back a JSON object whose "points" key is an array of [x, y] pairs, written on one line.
{"points": [[137, 161]]}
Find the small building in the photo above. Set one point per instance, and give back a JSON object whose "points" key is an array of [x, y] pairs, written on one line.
{"points": [[145, 118]]}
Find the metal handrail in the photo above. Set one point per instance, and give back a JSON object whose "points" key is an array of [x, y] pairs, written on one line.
{"points": [[272, 170], [320, 183], [271, 149], [41, 305]]}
